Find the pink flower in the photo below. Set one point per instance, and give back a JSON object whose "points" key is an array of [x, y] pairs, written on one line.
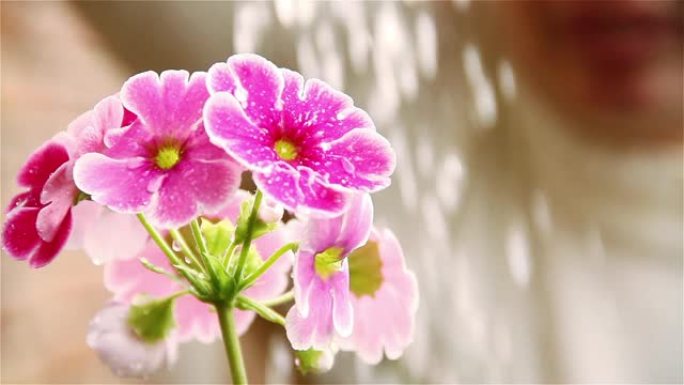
{"points": [[195, 319], [384, 298], [306, 144], [39, 221], [323, 304], [117, 345], [163, 164]]}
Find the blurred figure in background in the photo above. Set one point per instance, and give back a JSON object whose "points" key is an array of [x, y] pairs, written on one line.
{"points": [[538, 193]]}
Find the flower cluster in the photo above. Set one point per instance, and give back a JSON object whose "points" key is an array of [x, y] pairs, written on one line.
{"points": [[147, 183]]}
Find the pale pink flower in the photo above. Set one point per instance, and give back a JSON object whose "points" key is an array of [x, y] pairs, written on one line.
{"points": [[306, 144], [117, 345], [323, 304], [384, 298], [196, 319], [163, 164]]}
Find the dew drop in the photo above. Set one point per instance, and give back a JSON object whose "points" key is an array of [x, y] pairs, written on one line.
{"points": [[176, 246], [188, 260]]}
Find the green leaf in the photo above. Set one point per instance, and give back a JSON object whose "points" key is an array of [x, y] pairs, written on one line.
{"points": [[153, 320]]}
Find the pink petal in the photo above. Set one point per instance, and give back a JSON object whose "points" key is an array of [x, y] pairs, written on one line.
{"points": [[85, 215], [113, 236], [362, 160], [262, 84], [25, 199], [43, 162], [348, 230], [229, 128], [303, 277], [58, 194], [129, 142], [47, 251], [125, 185], [19, 235], [220, 78], [168, 104], [318, 111], [342, 311], [299, 190], [315, 331], [192, 187], [196, 320]]}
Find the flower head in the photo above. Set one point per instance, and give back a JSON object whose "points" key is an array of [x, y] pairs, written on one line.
{"points": [[384, 298], [118, 346], [323, 306], [306, 144], [39, 221], [163, 163], [195, 319]]}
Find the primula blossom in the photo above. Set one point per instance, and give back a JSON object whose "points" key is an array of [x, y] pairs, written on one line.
{"points": [[39, 221], [163, 164], [115, 342], [195, 319], [306, 144], [323, 304], [384, 298]]}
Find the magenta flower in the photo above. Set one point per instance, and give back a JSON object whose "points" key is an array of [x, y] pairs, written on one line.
{"points": [[163, 164], [22, 236], [39, 221], [384, 298], [306, 144], [195, 319], [323, 304]]}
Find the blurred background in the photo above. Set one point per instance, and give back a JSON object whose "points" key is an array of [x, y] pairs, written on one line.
{"points": [[538, 194]]}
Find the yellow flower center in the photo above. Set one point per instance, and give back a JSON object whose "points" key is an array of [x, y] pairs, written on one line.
{"points": [[328, 262], [285, 149], [167, 157]]}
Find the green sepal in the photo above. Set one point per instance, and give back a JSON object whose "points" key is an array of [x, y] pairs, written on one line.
{"points": [[328, 262], [260, 227], [308, 361], [152, 320], [217, 236]]}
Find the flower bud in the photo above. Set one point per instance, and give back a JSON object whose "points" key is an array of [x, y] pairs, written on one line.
{"points": [[314, 361]]}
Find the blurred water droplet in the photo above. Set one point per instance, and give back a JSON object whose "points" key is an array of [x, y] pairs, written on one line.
{"points": [[176, 246]]}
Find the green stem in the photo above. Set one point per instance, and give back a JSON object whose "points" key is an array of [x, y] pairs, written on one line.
{"points": [[232, 343], [267, 264], [176, 235], [228, 255], [248, 238], [279, 300], [199, 238], [265, 312]]}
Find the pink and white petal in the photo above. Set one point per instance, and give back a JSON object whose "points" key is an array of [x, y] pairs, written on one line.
{"points": [[342, 311], [142, 95], [317, 111], [198, 146], [29, 198], [183, 100], [361, 160], [229, 128], [243, 319], [301, 192], [129, 141], [196, 320], [191, 187], [358, 223], [19, 234], [84, 215], [41, 164], [47, 251], [124, 185], [128, 278], [220, 78], [113, 236], [261, 84], [315, 331], [304, 277], [58, 195], [109, 113]]}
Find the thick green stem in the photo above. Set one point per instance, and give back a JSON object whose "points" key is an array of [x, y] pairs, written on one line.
{"points": [[267, 264], [232, 343], [248, 237]]}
